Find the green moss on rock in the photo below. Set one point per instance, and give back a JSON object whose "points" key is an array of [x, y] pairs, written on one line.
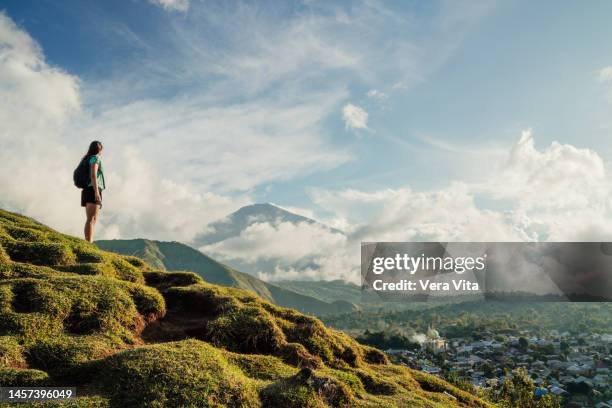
{"points": [[247, 329], [239, 321], [79, 402], [87, 253], [137, 262], [78, 305], [201, 299], [297, 355], [4, 258], [6, 298], [261, 367], [29, 326], [23, 270], [39, 253], [149, 302], [11, 353], [163, 280], [376, 384], [26, 241], [15, 377], [348, 378], [435, 384], [100, 269], [374, 356], [126, 271], [63, 355], [307, 389], [181, 374], [25, 234], [8, 219]]}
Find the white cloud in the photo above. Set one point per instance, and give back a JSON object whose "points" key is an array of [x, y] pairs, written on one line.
{"points": [[172, 5], [306, 251], [330, 266], [556, 178], [29, 83], [405, 215], [377, 95], [36, 100], [557, 193], [308, 50], [39, 104], [284, 241], [225, 149], [564, 190], [303, 251], [296, 251], [605, 74], [354, 117], [142, 202]]}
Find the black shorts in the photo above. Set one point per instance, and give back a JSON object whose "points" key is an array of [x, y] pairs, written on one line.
{"points": [[88, 196]]}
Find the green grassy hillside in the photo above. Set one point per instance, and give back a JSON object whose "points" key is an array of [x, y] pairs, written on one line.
{"points": [[327, 291], [175, 256], [127, 335]]}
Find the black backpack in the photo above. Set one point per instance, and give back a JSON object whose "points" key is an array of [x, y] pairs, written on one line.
{"points": [[81, 173]]}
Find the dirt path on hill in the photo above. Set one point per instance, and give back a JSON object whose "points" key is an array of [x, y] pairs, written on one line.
{"points": [[175, 326]]}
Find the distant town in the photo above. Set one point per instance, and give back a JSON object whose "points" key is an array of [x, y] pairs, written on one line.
{"points": [[576, 368]]}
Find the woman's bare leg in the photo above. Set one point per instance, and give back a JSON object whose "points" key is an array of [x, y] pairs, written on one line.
{"points": [[91, 210]]}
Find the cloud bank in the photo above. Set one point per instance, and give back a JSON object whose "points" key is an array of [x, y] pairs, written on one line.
{"points": [[558, 193], [36, 102]]}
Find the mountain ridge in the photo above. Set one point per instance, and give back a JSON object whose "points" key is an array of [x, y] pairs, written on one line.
{"points": [[327, 291], [173, 255], [222, 236], [231, 225]]}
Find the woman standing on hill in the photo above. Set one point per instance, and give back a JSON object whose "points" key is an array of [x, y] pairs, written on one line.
{"points": [[91, 196]]}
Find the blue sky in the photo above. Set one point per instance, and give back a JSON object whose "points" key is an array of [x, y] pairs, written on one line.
{"points": [[337, 110], [514, 65], [517, 65]]}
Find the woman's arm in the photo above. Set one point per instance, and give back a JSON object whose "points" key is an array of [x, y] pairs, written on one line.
{"points": [[94, 181]]}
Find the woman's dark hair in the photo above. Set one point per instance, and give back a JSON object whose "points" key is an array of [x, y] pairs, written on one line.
{"points": [[95, 147]]}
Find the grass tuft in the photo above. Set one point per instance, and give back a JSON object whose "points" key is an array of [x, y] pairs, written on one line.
{"points": [[181, 374], [376, 384], [246, 329], [15, 377], [39, 253], [307, 389], [11, 353], [163, 280]]}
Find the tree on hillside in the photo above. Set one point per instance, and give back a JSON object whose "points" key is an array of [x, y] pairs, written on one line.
{"points": [[518, 390]]}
